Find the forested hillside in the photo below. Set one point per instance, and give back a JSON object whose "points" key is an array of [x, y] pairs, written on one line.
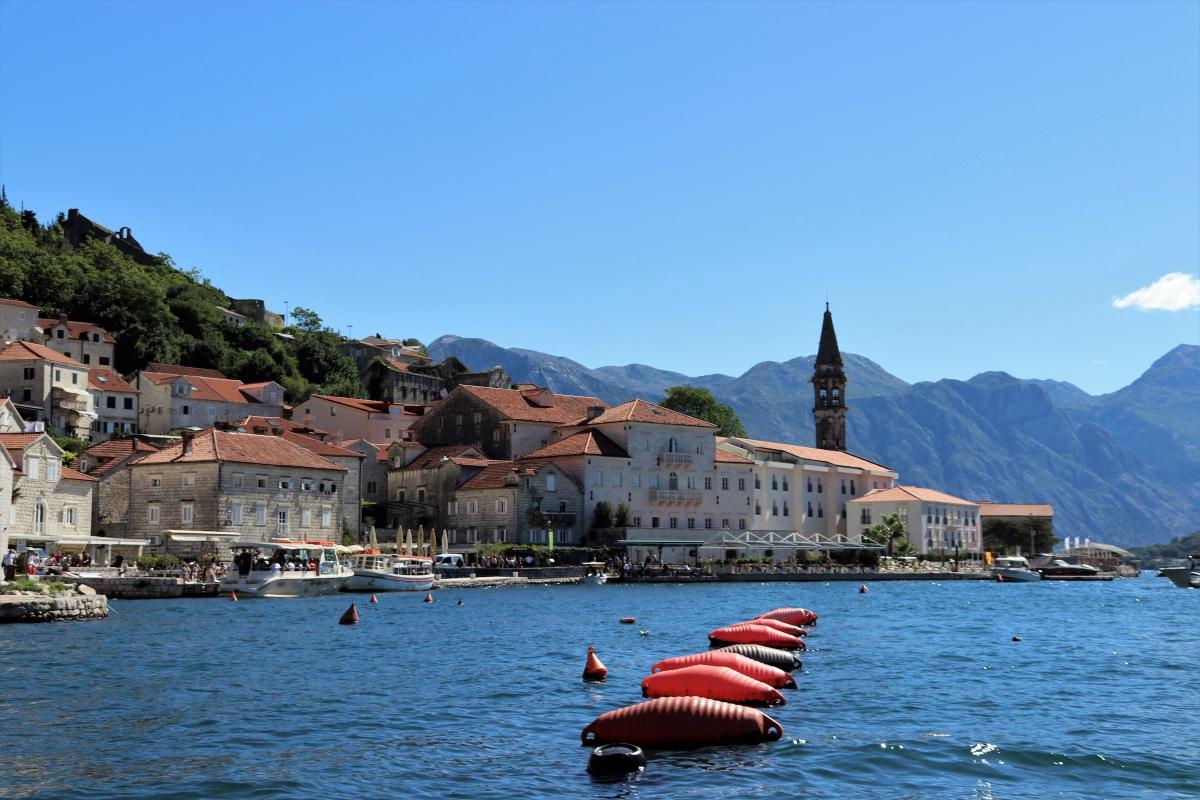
{"points": [[161, 313]]}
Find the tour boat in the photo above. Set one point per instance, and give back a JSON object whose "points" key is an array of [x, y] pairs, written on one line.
{"points": [[1015, 569], [593, 573], [260, 569], [388, 572]]}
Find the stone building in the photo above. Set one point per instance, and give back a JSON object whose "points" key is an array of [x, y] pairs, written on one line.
{"points": [[10, 422], [352, 418], [260, 487], [374, 480], [53, 501], [18, 321], [116, 403], [935, 521], [504, 424], [85, 342], [422, 483], [399, 382], [349, 460], [48, 386], [78, 228], [174, 397], [516, 503], [108, 462]]}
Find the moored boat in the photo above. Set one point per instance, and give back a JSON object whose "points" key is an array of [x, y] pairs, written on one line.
{"points": [[293, 569], [1185, 577], [1015, 569], [388, 572], [593, 573]]}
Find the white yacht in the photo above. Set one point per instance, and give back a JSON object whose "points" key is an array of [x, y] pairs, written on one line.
{"points": [[1015, 569], [387, 572], [593, 573], [1184, 577], [284, 568]]}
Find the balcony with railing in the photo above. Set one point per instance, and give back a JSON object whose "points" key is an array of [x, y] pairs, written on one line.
{"points": [[675, 459], [676, 496]]}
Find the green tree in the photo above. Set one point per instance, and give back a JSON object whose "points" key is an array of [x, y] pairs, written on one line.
{"points": [[621, 518], [1005, 536], [306, 321], [700, 403], [889, 529], [602, 517]]}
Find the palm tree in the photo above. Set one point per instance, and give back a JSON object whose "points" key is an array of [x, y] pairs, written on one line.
{"points": [[889, 529]]}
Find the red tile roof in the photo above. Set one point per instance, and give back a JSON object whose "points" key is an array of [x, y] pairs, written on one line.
{"points": [[224, 390], [589, 443], [325, 449], [77, 330], [8, 301], [903, 494], [369, 406], [75, 475], [725, 457], [110, 454], [176, 369], [15, 443], [837, 458], [105, 380], [642, 411], [265, 425], [493, 475], [26, 351], [243, 448], [1015, 509], [456, 453], [523, 405]]}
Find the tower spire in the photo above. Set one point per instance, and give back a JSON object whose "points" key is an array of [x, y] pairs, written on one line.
{"points": [[829, 389]]}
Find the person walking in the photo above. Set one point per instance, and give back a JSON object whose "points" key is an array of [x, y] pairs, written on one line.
{"points": [[10, 563]]}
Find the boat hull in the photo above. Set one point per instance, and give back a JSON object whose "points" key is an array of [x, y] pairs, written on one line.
{"points": [[594, 580], [1015, 575], [367, 581], [1183, 577], [282, 585]]}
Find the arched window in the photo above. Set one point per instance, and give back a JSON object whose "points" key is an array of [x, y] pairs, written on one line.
{"points": [[837, 397], [824, 398], [672, 479]]}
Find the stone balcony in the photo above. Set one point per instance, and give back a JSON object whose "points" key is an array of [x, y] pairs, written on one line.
{"points": [[675, 459], [676, 496]]}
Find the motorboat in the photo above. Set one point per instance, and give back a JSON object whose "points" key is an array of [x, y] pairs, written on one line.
{"points": [[1057, 569], [390, 572], [284, 568], [1185, 577], [1015, 569], [594, 574]]}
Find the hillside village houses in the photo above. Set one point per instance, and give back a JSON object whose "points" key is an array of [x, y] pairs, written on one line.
{"points": [[353, 418], [108, 463], [116, 403], [48, 386], [174, 397]]}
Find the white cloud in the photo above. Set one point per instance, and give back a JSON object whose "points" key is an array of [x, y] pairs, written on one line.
{"points": [[1175, 291]]}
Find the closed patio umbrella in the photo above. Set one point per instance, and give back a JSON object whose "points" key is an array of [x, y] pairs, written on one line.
{"points": [[408, 543], [445, 541]]}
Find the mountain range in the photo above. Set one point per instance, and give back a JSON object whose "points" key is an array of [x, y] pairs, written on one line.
{"points": [[1122, 468]]}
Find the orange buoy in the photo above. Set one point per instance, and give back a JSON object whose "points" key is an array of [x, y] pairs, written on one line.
{"points": [[790, 630], [771, 676], [233, 597], [429, 598], [628, 620], [682, 722], [755, 634], [374, 599], [792, 616], [350, 617], [713, 682], [594, 670], [771, 656]]}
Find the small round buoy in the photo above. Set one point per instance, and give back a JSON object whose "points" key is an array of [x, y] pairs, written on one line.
{"points": [[862, 588], [1017, 639], [350, 617], [460, 601], [594, 670], [233, 597], [374, 599], [643, 633], [628, 620], [428, 598], [612, 760]]}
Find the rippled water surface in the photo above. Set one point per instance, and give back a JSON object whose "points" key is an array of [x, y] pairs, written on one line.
{"points": [[913, 690]]}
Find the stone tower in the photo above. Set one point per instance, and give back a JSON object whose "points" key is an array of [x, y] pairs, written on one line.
{"points": [[829, 390]]}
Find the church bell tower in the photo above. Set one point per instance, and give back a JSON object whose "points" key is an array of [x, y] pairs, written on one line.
{"points": [[829, 390]]}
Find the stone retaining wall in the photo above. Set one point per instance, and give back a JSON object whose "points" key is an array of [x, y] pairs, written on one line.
{"points": [[24, 608], [131, 588]]}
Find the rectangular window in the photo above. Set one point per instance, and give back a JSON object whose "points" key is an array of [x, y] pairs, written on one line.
{"points": [[724, 522], [325, 516], [153, 513], [285, 483], [306, 485], [550, 481], [598, 479], [261, 481], [741, 524], [637, 522], [616, 479], [28, 373], [128, 403], [155, 481], [237, 480], [724, 484], [707, 482], [110, 402], [235, 514], [501, 506], [691, 522], [654, 522], [653, 480], [260, 515], [189, 479], [636, 480], [185, 513], [212, 412], [68, 515], [674, 521], [187, 409], [472, 507], [372, 487], [741, 484], [53, 469], [305, 517], [708, 522]]}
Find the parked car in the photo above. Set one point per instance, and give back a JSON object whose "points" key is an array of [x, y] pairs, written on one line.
{"points": [[448, 561]]}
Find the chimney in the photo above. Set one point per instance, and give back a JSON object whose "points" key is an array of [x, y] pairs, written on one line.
{"points": [[594, 411], [308, 418], [62, 320], [188, 436]]}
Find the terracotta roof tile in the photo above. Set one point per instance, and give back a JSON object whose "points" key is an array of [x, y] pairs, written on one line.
{"points": [[266, 425], [75, 475], [1015, 509], [77, 330], [590, 443], [434, 455], [8, 301], [25, 351], [837, 458], [725, 457], [369, 406], [326, 449], [242, 448], [110, 454], [560, 409], [902, 494], [642, 411], [105, 380], [15, 443], [493, 475], [224, 390]]}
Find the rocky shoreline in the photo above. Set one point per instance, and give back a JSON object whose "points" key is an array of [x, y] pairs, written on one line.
{"points": [[35, 607]]}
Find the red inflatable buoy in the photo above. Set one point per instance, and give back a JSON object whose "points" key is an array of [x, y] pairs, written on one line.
{"points": [[792, 616], [713, 682], [428, 598], [594, 670], [790, 630], [772, 676], [682, 722], [233, 597], [628, 620], [374, 599], [755, 634], [350, 617]]}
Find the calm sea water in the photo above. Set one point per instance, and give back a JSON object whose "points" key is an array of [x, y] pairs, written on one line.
{"points": [[913, 690]]}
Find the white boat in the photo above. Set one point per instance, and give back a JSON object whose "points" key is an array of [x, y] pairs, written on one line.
{"points": [[284, 568], [1015, 569], [593, 573], [1186, 576], [388, 572]]}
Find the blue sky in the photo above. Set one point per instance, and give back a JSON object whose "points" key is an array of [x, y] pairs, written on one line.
{"points": [[683, 185]]}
